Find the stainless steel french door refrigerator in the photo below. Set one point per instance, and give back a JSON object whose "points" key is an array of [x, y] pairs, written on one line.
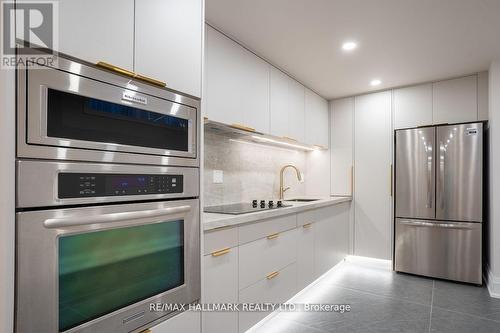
{"points": [[439, 201]]}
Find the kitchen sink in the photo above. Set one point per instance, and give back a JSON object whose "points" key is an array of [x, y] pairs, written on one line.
{"points": [[302, 200]]}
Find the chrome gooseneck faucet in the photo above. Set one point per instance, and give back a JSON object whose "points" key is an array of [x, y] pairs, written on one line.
{"points": [[282, 188]]}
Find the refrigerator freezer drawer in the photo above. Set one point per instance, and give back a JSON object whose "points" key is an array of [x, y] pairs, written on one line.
{"points": [[441, 249]]}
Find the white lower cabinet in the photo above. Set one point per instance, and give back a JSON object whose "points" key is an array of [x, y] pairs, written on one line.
{"points": [[186, 322], [221, 286], [277, 289], [331, 237], [269, 262], [305, 254], [262, 257]]}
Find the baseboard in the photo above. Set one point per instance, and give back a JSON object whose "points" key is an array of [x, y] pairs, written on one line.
{"points": [[493, 284]]}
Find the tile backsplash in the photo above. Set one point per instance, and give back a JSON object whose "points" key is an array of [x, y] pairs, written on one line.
{"points": [[251, 170]]}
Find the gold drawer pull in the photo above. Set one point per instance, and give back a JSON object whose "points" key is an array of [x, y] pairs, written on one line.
{"points": [[272, 275], [221, 252], [307, 225], [116, 69], [130, 74], [289, 138], [243, 127], [146, 331], [273, 236]]}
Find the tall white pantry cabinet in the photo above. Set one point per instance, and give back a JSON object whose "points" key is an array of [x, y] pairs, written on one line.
{"points": [[362, 139]]}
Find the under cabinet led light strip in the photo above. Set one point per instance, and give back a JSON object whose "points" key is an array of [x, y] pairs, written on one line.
{"points": [[286, 144]]}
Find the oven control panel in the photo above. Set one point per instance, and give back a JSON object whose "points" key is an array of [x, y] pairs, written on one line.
{"points": [[83, 185]]}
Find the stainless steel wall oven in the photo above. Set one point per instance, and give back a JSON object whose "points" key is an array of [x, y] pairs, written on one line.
{"points": [[107, 201]]}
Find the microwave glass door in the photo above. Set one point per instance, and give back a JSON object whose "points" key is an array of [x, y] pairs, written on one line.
{"points": [[72, 116], [103, 271]]}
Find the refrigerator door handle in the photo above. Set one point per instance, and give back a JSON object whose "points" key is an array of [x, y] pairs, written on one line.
{"points": [[429, 186], [437, 225]]}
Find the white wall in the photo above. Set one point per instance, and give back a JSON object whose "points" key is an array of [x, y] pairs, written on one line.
{"points": [[494, 179], [7, 151]]}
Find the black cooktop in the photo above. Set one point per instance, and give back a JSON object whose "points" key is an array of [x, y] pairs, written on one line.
{"points": [[243, 208]]}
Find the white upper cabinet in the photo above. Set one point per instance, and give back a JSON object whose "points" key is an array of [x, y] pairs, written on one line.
{"points": [[254, 82], [95, 31], [168, 40], [342, 113], [279, 102], [316, 119], [455, 101], [243, 89], [222, 93], [296, 106], [413, 106], [237, 84]]}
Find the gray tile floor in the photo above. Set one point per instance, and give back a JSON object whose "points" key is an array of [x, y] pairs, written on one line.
{"points": [[384, 301]]}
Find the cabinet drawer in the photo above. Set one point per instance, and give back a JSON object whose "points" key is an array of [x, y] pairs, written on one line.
{"points": [[219, 239], [266, 255], [264, 228], [306, 217], [275, 290]]}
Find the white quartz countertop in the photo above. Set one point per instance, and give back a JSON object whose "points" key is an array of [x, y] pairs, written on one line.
{"points": [[212, 221]]}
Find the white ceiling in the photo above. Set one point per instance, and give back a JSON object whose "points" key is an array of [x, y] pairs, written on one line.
{"points": [[400, 41]]}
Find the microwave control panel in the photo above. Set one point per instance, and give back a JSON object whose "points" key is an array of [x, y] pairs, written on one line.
{"points": [[83, 185]]}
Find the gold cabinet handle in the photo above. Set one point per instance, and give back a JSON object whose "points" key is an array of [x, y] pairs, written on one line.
{"points": [[289, 138], [390, 182], [243, 127], [221, 252], [272, 275], [116, 69], [146, 331], [307, 225], [150, 80], [273, 236], [352, 179], [130, 74]]}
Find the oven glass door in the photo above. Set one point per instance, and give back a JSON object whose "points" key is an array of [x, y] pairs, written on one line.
{"points": [[103, 271]]}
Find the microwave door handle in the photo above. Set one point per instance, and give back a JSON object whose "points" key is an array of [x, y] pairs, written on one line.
{"points": [[53, 223], [436, 225]]}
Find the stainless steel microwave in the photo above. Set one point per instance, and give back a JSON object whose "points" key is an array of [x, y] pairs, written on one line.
{"points": [[80, 112]]}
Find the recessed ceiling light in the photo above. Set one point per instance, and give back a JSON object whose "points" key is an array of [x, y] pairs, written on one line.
{"points": [[349, 46], [375, 82]]}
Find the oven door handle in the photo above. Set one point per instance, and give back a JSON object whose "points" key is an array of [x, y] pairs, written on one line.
{"points": [[113, 217]]}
